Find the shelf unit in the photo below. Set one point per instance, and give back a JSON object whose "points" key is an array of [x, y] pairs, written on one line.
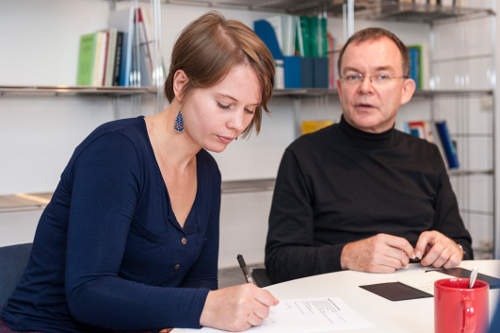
{"points": [[373, 10], [434, 16], [76, 90]]}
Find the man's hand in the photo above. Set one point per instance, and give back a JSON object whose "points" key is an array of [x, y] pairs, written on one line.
{"points": [[237, 308], [378, 254], [438, 250]]}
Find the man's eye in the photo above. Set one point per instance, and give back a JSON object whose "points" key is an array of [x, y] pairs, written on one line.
{"points": [[383, 77], [351, 77]]}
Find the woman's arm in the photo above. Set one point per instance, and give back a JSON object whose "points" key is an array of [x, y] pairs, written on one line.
{"points": [[106, 184]]}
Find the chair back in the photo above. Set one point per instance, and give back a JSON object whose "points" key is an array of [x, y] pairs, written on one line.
{"points": [[260, 277], [13, 261]]}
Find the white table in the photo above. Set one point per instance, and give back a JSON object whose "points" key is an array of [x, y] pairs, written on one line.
{"points": [[416, 315]]}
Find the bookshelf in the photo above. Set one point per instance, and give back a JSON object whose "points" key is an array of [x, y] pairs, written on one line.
{"points": [[75, 90], [377, 11], [460, 96]]}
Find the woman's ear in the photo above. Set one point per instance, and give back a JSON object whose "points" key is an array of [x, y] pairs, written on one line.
{"points": [[180, 82]]}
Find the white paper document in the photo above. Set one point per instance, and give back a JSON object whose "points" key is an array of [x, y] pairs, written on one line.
{"points": [[308, 315], [423, 281]]}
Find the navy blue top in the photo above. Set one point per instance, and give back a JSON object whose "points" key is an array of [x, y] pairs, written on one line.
{"points": [[108, 253]]}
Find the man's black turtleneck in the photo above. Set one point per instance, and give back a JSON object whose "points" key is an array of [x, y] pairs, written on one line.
{"points": [[340, 185]]}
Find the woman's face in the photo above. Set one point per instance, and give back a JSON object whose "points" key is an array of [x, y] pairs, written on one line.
{"points": [[215, 116]]}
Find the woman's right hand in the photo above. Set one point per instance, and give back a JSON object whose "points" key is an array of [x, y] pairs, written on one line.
{"points": [[237, 308]]}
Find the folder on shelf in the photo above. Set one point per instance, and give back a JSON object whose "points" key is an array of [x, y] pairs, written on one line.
{"points": [[448, 146], [415, 70], [266, 33], [123, 20], [320, 76], [292, 72], [306, 72]]}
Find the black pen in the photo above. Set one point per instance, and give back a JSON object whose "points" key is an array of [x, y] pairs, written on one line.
{"points": [[244, 269]]}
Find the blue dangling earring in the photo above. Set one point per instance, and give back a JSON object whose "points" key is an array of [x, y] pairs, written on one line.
{"points": [[179, 123]]}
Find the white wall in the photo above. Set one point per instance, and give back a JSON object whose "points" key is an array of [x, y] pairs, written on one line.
{"points": [[38, 134]]}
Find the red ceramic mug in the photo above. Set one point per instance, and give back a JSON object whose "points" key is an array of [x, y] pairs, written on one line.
{"points": [[458, 309]]}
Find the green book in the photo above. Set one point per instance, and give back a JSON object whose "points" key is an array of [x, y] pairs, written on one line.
{"points": [[304, 26], [314, 36], [324, 38], [86, 59]]}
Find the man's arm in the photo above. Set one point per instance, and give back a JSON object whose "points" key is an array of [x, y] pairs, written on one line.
{"points": [[290, 250], [439, 247]]}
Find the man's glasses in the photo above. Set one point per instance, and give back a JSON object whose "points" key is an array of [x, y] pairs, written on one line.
{"points": [[378, 79]]}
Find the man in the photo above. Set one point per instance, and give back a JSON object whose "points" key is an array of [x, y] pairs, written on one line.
{"points": [[360, 194]]}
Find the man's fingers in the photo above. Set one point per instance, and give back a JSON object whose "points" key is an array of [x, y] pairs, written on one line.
{"points": [[454, 260], [400, 244], [426, 238], [434, 254], [400, 258]]}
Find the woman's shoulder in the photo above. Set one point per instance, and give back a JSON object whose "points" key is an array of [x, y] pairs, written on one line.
{"points": [[131, 127], [110, 134]]}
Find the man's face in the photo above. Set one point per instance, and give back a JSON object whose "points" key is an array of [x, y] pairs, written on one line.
{"points": [[371, 104]]}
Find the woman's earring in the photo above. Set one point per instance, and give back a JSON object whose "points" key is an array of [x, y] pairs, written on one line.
{"points": [[179, 123]]}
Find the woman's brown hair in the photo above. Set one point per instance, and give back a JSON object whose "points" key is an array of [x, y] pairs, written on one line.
{"points": [[209, 47]]}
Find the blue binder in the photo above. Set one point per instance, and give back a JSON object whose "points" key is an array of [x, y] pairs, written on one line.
{"points": [[292, 72]]}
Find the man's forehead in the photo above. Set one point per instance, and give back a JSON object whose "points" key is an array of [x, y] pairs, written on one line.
{"points": [[373, 42], [376, 53]]}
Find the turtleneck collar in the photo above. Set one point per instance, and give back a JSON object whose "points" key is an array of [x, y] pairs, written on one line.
{"points": [[367, 140]]}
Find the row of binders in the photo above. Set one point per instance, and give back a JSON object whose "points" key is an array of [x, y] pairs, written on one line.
{"points": [[126, 54], [301, 48], [455, 3], [436, 132]]}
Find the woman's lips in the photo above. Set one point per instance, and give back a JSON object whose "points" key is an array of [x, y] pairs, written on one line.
{"points": [[225, 139]]}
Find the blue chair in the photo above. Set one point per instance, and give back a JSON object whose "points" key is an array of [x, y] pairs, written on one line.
{"points": [[13, 261]]}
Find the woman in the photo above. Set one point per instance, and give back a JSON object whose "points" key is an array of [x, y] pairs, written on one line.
{"points": [[129, 241]]}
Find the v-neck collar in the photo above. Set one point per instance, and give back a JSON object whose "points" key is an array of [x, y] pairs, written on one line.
{"points": [[191, 224]]}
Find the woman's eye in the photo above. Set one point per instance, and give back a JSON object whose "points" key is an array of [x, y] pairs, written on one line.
{"points": [[249, 111], [222, 106]]}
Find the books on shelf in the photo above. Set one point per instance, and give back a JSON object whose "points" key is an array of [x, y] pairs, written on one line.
{"points": [[419, 57], [436, 132], [300, 47], [111, 55], [86, 59], [92, 59], [123, 55], [123, 20]]}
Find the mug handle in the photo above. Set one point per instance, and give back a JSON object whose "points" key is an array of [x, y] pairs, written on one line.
{"points": [[469, 316]]}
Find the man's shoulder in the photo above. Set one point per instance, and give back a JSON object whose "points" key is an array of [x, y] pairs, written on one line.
{"points": [[315, 140], [416, 145]]}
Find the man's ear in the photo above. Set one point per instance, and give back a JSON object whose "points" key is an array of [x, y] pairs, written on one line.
{"points": [[339, 87], [180, 82], [408, 90]]}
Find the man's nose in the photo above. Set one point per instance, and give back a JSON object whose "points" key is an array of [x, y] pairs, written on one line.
{"points": [[366, 85]]}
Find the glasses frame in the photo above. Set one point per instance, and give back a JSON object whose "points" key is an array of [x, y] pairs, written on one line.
{"points": [[363, 76]]}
